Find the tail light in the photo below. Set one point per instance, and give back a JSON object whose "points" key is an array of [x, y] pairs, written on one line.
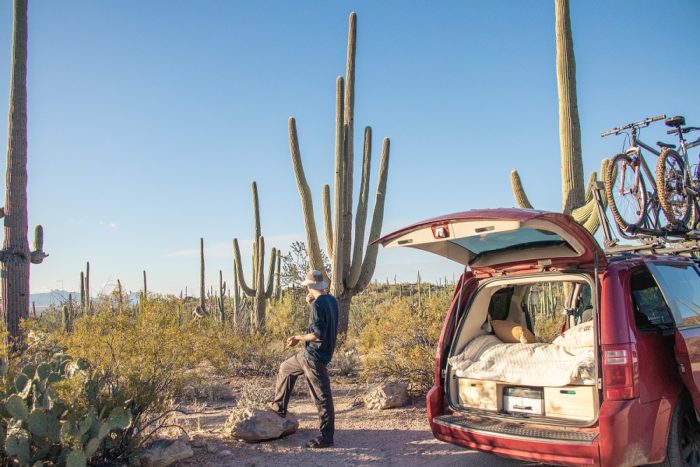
{"points": [[620, 372]]}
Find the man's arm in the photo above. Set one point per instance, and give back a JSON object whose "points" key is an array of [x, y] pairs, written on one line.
{"points": [[310, 337]]}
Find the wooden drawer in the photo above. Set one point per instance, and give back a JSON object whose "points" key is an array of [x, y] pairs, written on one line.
{"points": [[570, 402], [478, 393]]}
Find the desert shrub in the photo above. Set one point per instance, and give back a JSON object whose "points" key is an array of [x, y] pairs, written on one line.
{"points": [[346, 359], [254, 394], [256, 354], [147, 355], [399, 341], [288, 316]]}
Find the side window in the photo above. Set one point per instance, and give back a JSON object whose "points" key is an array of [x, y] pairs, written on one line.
{"points": [[499, 308], [680, 285], [648, 303]]}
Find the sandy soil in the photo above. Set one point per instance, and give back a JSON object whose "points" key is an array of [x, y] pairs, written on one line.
{"points": [[395, 437]]}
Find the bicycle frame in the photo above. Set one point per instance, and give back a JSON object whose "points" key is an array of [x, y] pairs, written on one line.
{"points": [[635, 152]]}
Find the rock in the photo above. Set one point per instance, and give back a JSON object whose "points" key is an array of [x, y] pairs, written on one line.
{"points": [[199, 443], [387, 396], [165, 452], [255, 424], [225, 453], [212, 449]]}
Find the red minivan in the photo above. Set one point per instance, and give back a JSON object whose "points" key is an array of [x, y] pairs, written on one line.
{"points": [[556, 351]]}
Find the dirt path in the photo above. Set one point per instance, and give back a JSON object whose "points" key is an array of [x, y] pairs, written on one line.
{"points": [[394, 437]]}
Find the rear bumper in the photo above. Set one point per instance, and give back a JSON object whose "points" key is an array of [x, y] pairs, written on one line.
{"points": [[526, 449], [620, 438], [513, 444]]}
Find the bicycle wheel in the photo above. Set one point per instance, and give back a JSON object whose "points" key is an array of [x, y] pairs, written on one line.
{"points": [[626, 193], [671, 188]]}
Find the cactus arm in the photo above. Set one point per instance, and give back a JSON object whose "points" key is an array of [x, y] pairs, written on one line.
{"points": [[361, 214], [590, 186], [260, 268], [569, 125], [518, 191], [339, 188], [271, 274], [256, 210], [278, 285], [239, 270], [349, 154], [370, 260], [592, 223], [582, 214], [38, 254], [328, 218], [307, 206]]}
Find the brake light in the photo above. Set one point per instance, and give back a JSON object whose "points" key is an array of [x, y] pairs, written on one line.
{"points": [[620, 372]]}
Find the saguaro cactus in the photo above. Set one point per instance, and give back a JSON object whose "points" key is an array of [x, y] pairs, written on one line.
{"points": [[15, 255], [349, 274], [577, 197], [221, 298], [202, 297], [260, 292]]}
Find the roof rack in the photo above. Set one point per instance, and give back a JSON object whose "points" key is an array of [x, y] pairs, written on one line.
{"points": [[670, 243]]}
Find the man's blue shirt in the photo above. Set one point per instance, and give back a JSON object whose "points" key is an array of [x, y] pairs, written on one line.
{"points": [[323, 322]]}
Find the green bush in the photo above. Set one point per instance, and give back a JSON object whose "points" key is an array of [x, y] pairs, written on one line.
{"points": [[147, 355], [399, 341]]}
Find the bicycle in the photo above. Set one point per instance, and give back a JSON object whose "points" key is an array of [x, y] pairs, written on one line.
{"points": [[677, 187], [625, 188]]}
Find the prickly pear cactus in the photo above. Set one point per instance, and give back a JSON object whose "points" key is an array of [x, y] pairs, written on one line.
{"points": [[36, 427]]}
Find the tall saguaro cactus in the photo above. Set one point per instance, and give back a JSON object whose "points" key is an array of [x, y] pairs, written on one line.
{"points": [[350, 273], [577, 197], [15, 255], [259, 292], [202, 291]]}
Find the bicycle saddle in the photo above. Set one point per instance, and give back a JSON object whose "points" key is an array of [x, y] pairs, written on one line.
{"points": [[676, 121], [661, 144]]}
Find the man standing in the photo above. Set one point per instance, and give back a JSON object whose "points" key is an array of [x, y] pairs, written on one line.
{"points": [[319, 344]]}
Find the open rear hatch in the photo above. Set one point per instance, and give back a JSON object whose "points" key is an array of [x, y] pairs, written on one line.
{"points": [[503, 239]]}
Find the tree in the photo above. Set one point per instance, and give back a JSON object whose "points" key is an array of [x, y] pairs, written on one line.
{"points": [[295, 265]]}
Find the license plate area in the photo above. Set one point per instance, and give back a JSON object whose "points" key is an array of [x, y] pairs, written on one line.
{"points": [[523, 400]]}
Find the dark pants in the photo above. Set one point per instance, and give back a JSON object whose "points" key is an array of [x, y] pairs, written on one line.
{"points": [[319, 383]]}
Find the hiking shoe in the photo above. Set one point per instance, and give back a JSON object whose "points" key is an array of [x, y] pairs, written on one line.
{"points": [[319, 443], [272, 406]]}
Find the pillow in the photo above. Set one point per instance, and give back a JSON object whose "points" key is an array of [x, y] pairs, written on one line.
{"points": [[510, 332], [580, 335]]}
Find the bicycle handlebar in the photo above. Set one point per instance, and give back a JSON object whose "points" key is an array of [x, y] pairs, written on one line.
{"points": [[639, 124]]}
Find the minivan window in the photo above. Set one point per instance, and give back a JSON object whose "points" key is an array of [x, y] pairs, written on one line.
{"points": [[650, 309], [680, 284]]}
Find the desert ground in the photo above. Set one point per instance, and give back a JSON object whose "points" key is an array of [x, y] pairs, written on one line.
{"points": [[394, 437]]}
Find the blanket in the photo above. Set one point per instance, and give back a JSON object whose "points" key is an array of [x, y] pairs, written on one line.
{"points": [[486, 357]]}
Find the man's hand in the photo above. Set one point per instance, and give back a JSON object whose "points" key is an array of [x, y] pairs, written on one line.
{"points": [[292, 341], [310, 298]]}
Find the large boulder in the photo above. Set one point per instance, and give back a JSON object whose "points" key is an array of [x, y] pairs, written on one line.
{"points": [[164, 452], [387, 396], [255, 424]]}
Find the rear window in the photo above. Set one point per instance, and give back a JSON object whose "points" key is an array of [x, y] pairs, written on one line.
{"points": [[499, 241], [680, 285]]}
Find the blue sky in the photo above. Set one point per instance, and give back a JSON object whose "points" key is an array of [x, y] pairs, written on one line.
{"points": [[149, 120]]}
